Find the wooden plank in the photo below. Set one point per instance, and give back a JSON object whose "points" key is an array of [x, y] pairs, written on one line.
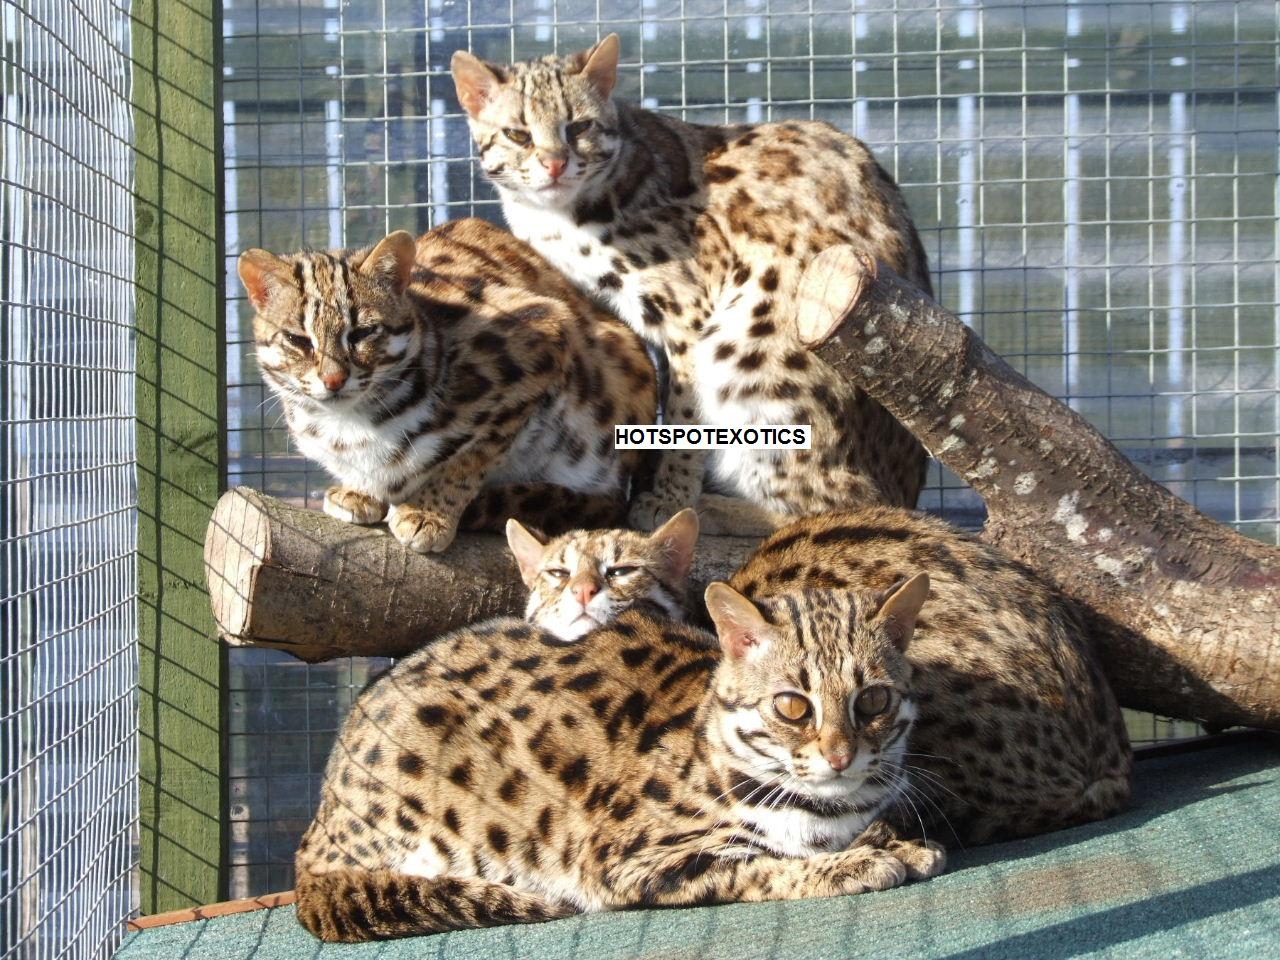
{"points": [[181, 446], [268, 901]]}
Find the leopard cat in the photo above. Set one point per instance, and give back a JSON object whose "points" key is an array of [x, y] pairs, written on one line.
{"points": [[456, 373], [1018, 731], [697, 236], [497, 776], [585, 578]]}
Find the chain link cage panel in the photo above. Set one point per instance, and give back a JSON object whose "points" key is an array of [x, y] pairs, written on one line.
{"points": [[1095, 184], [68, 631]]}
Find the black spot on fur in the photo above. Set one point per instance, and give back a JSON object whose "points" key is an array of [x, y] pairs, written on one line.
{"points": [[410, 763], [635, 656], [657, 790], [498, 838], [574, 773]]}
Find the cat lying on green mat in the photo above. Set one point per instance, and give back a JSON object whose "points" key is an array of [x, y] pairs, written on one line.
{"points": [[503, 774]]}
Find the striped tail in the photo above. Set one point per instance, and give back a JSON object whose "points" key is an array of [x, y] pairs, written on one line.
{"points": [[547, 507], [351, 906]]}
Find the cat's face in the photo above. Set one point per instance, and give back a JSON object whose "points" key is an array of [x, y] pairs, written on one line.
{"points": [[330, 327], [585, 579], [814, 692], [544, 128]]}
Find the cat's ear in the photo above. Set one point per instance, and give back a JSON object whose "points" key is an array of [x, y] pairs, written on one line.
{"points": [[900, 608], [392, 260], [475, 81], [527, 548], [676, 539], [600, 65], [261, 271], [741, 627]]}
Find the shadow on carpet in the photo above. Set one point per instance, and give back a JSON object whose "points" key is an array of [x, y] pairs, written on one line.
{"points": [[1192, 869]]}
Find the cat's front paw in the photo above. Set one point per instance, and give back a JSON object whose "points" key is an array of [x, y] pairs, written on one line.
{"points": [[421, 530], [649, 511], [351, 506], [868, 869], [922, 858]]}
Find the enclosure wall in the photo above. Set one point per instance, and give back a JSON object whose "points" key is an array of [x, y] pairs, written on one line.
{"points": [[181, 443], [68, 583], [1096, 184]]}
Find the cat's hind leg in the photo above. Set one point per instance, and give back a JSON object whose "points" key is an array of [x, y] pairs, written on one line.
{"points": [[547, 507], [719, 515], [350, 906]]}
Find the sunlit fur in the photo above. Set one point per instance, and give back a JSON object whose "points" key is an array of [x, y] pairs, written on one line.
{"points": [[698, 236], [828, 647], [545, 99], [499, 776], [1018, 731], [421, 373], [614, 570]]}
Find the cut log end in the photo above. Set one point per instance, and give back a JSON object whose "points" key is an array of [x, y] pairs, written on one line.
{"points": [[235, 544], [830, 288]]}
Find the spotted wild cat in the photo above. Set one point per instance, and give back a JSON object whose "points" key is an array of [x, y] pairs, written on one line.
{"points": [[1018, 731], [697, 236], [458, 371], [586, 578], [497, 776]]}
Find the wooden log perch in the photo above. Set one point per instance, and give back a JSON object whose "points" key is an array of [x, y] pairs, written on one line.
{"points": [[1186, 610], [298, 580]]}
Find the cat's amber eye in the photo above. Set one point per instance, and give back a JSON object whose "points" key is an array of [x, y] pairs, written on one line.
{"points": [[791, 706], [519, 137], [613, 573], [576, 129], [556, 573], [360, 334], [299, 341], [872, 702]]}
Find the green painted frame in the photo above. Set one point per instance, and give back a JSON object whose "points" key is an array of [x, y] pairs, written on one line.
{"points": [[181, 399]]}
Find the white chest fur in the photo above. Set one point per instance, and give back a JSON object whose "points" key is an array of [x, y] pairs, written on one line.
{"points": [[576, 251]]}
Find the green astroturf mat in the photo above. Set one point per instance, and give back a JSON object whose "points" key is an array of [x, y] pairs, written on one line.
{"points": [[1192, 869]]}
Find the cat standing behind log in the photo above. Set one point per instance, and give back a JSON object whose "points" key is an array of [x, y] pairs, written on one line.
{"points": [[458, 373], [697, 236]]}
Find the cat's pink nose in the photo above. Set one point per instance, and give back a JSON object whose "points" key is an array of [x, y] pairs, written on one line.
{"points": [[585, 591], [555, 166], [839, 761], [335, 380]]}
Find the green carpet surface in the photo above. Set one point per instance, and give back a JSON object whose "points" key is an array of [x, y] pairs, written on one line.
{"points": [[1192, 869]]}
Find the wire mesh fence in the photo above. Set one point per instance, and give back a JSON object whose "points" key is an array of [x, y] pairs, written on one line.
{"points": [[68, 657], [1095, 183]]}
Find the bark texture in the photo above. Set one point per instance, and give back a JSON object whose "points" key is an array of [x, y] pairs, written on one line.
{"points": [[298, 580], [1186, 611]]}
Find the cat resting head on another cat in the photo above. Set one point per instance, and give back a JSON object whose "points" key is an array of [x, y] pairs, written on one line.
{"points": [[586, 578]]}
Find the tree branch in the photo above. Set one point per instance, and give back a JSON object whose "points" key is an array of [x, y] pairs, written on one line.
{"points": [[1186, 610]]}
